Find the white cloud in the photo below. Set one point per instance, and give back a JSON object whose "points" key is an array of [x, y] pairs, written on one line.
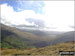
{"points": [[17, 18], [58, 14]]}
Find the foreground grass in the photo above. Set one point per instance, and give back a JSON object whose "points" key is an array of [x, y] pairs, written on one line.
{"points": [[49, 50]]}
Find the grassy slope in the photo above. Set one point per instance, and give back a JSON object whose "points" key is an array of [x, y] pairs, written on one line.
{"points": [[49, 50], [19, 33], [22, 34], [11, 37]]}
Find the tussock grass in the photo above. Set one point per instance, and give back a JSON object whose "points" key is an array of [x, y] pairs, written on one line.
{"points": [[49, 50]]}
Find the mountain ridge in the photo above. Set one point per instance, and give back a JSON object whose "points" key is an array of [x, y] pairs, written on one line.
{"points": [[31, 39]]}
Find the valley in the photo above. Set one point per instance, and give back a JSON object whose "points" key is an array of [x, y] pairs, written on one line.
{"points": [[17, 42]]}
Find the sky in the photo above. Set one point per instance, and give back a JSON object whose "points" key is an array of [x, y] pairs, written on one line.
{"points": [[43, 15]]}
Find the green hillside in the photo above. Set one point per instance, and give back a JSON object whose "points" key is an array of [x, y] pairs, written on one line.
{"points": [[14, 38]]}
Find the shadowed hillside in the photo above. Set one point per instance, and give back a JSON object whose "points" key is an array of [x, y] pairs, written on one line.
{"points": [[65, 37], [14, 38]]}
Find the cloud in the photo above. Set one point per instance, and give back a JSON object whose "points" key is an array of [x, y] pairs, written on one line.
{"points": [[57, 16], [38, 22], [26, 26], [21, 5], [72, 27], [18, 18], [37, 6]]}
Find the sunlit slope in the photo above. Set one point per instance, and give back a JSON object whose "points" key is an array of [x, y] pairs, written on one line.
{"points": [[49, 50], [54, 50]]}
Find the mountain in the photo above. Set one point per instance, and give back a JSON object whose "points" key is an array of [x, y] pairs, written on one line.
{"points": [[41, 32], [15, 38], [65, 37]]}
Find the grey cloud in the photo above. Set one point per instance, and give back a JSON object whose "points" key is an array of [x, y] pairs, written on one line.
{"points": [[38, 22], [51, 27], [72, 27], [28, 26]]}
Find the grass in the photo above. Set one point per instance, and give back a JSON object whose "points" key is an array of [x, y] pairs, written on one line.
{"points": [[49, 50]]}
